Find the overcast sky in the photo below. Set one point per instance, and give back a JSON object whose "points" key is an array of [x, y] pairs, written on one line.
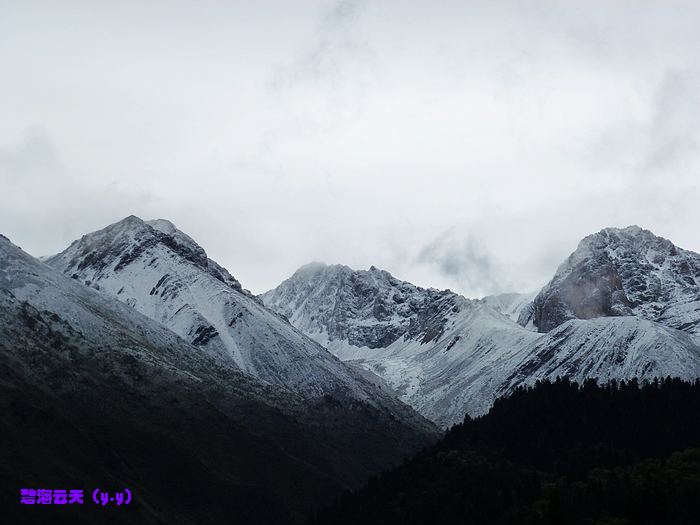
{"points": [[467, 145]]}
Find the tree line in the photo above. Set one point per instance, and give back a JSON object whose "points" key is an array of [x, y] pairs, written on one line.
{"points": [[551, 453]]}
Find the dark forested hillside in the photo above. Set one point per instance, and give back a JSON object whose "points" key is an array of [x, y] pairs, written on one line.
{"points": [[555, 453]]}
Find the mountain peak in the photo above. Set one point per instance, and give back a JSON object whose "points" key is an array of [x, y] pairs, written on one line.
{"points": [[135, 223], [132, 218], [631, 229], [628, 234], [166, 227], [619, 272], [312, 267], [363, 308], [131, 221], [163, 225], [321, 270], [116, 245]]}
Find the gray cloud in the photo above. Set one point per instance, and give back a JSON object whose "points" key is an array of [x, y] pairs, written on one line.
{"points": [[44, 206], [465, 262], [337, 46], [33, 156], [277, 133], [675, 128]]}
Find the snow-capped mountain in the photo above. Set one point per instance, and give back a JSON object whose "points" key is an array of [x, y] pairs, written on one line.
{"points": [[94, 391], [447, 355], [622, 272], [440, 352], [162, 273], [345, 309]]}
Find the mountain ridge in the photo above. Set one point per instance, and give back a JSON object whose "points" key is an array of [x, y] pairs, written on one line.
{"points": [[164, 274], [102, 394], [623, 271], [478, 349]]}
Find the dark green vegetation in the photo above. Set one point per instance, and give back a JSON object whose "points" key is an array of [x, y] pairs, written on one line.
{"points": [[556, 453]]}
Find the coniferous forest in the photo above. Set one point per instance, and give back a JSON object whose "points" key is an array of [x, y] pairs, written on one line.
{"points": [[553, 453]]}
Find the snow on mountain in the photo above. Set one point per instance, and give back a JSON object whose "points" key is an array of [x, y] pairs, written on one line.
{"points": [[442, 353], [513, 305], [96, 389], [447, 355], [344, 309], [94, 317], [608, 348], [623, 272], [165, 275], [438, 351]]}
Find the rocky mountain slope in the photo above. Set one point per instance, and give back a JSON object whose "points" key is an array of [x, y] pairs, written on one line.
{"points": [[345, 309], [447, 355], [162, 273], [440, 352], [95, 394], [608, 349], [622, 272]]}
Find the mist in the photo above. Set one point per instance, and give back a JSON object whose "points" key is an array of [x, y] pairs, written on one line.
{"points": [[457, 145]]}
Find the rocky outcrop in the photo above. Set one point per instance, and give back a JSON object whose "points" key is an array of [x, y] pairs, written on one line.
{"points": [[620, 272]]}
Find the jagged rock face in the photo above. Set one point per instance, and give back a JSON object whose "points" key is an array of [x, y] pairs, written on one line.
{"points": [[438, 351], [120, 244], [368, 308], [619, 272], [453, 355]]}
